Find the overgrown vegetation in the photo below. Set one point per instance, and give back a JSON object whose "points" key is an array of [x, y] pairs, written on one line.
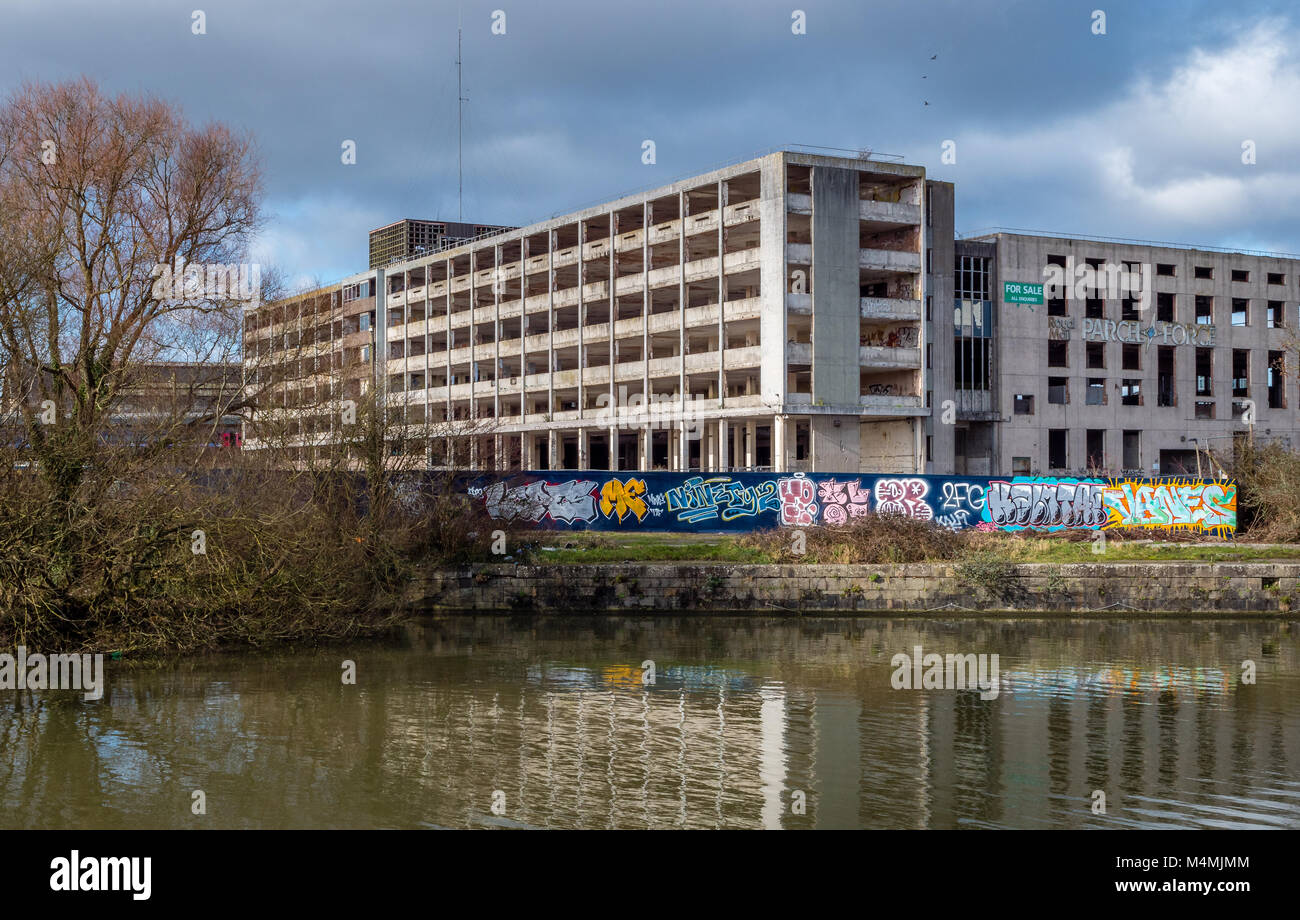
{"points": [[124, 524], [1268, 492], [870, 540]]}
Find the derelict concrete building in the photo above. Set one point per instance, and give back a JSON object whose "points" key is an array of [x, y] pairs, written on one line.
{"points": [[769, 314]]}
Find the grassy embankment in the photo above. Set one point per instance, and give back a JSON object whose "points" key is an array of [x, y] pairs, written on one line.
{"points": [[576, 548]]}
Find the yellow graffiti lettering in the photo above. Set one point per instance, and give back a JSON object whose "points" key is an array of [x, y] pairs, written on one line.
{"points": [[622, 498]]}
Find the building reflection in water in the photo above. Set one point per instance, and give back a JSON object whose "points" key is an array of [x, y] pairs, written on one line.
{"points": [[744, 715]]}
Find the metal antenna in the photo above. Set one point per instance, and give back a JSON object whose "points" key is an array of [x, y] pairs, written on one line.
{"points": [[460, 101]]}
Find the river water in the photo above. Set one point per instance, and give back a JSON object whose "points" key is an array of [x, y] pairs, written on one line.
{"points": [[503, 722]]}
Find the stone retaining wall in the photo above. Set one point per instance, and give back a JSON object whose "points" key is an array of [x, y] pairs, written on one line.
{"points": [[1246, 588]]}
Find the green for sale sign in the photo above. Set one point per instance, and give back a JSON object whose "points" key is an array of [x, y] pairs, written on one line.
{"points": [[1022, 292]]}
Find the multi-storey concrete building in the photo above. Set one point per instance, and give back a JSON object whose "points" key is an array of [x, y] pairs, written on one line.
{"points": [[764, 315], [1091, 379]]}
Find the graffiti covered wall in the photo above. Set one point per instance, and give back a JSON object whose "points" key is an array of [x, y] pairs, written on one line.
{"points": [[708, 502]]}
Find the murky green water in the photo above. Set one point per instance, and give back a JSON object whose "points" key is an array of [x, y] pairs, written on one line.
{"points": [[548, 720]]}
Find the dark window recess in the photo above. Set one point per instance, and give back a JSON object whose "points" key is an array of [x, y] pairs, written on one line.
{"points": [[1096, 449], [1094, 308], [1058, 354], [1240, 372], [1204, 310], [1132, 358], [1128, 308], [1240, 311], [1205, 372], [1058, 390], [1165, 376], [1204, 409], [1276, 314], [1130, 392], [1096, 354], [1276, 380], [1023, 404], [1240, 275], [1276, 278], [1096, 395], [1056, 293], [1132, 455], [1165, 270], [1165, 307], [1056, 458], [1204, 273]]}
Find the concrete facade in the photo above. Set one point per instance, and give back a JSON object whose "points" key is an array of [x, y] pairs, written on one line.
{"points": [[1105, 385], [767, 315]]}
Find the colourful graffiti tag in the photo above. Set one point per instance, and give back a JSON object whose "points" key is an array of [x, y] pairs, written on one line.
{"points": [[1204, 506], [843, 500], [623, 498], [750, 501], [903, 496], [699, 499], [797, 507]]}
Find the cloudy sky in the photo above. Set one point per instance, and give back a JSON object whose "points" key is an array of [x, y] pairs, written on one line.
{"points": [[1134, 133]]}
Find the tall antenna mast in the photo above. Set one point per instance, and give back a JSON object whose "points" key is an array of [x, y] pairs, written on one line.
{"points": [[460, 100]]}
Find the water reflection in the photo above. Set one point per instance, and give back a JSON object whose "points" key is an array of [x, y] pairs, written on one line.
{"points": [[743, 716]]}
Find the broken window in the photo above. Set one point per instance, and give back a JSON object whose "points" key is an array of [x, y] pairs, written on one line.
{"points": [[1058, 354], [1096, 395], [1276, 378], [1130, 392], [1132, 358], [1205, 372], [1165, 376], [1240, 275], [1165, 307], [1204, 310], [1240, 311], [1205, 273], [1058, 390], [1023, 404], [1240, 372], [1096, 448], [1096, 354], [1056, 457]]}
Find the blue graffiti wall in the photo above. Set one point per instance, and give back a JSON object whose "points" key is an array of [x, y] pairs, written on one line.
{"points": [[734, 502]]}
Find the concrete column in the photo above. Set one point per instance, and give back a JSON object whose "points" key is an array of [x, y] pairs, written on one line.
{"points": [[583, 459], [553, 448], [684, 445], [751, 441], [724, 445], [497, 283], [779, 463], [447, 304], [550, 338], [613, 447], [582, 347]]}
